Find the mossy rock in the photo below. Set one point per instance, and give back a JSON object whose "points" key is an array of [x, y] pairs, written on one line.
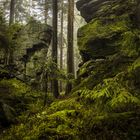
{"points": [[97, 40], [15, 98]]}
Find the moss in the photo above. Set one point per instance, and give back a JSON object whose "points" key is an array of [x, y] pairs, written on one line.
{"points": [[97, 39], [16, 87], [71, 119], [96, 29], [135, 72], [112, 30], [70, 103], [136, 64], [62, 124], [17, 97], [129, 43], [85, 68], [87, 114], [113, 93], [92, 72]]}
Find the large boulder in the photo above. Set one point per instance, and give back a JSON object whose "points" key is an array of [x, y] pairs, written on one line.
{"points": [[111, 31]]}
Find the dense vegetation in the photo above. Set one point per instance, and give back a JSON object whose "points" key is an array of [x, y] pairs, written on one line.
{"points": [[104, 103]]}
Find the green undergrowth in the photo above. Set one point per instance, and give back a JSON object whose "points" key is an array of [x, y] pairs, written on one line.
{"points": [[108, 111], [15, 98]]}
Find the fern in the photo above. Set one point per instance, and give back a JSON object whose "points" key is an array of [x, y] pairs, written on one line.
{"points": [[110, 95]]}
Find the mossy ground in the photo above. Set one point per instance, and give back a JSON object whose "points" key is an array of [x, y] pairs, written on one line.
{"points": [[108, 111]]}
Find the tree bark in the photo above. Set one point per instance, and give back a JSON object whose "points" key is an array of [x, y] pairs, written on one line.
{"points": [[61, 41], [12, 12], [11, 21], [70, 51], [54, 47]]}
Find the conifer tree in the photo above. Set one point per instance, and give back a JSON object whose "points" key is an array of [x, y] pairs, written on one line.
{"points": [[70, 50], [54, 46]]}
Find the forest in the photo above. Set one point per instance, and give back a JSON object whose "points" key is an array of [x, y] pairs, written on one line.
{"points": [[69, 69]]}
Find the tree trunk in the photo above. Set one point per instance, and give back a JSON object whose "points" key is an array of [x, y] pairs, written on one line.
{"points": [[70, 51], [54, 47], [11, 21], [61, 41], [12, 12]]}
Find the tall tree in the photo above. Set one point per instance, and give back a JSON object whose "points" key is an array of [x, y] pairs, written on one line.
{"points": [[54, 46], [10, 55], [70, 50], [12, 12], [61, 39]]}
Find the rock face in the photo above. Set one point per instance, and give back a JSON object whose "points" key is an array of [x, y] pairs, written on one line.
{"points": [[91, 9], [44, 42], [88, 8], [110, 41], [110, 48]]}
